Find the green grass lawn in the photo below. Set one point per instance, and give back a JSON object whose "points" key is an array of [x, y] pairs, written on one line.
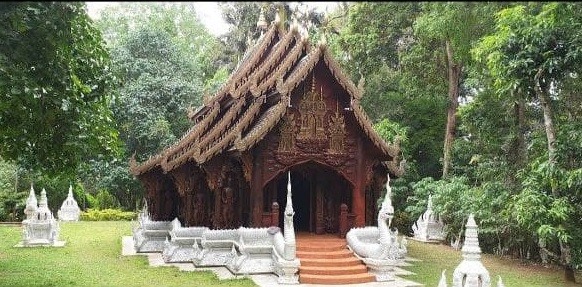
{"points": [[92, 257], [514, 273]]}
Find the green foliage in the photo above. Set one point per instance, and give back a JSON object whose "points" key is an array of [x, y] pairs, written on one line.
{"points": [[105, 200], [107, 215], [55, 84], [179, 20], [154, 73], [12, 200], [529, 39], [391, 131], [373, 32]]}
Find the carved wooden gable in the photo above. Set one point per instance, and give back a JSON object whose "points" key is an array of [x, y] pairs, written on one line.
{"points": [[313, 128]]}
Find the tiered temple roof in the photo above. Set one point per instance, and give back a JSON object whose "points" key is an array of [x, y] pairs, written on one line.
{"points": [[255, 98]]}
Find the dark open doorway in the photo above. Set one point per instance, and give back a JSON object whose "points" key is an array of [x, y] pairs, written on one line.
{"points": [[318, 191]]}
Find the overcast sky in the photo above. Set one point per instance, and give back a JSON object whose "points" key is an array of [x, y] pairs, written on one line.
{"points": [[208, 12]]}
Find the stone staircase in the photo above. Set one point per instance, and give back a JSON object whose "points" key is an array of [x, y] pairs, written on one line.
{"points": [[325, 259]]}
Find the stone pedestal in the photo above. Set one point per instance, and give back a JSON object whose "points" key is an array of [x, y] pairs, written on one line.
{"points": [[179, 248], [150, 236], [70, 210]]}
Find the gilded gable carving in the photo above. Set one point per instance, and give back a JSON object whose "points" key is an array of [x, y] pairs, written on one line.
{"points": [[287, 130], [337, 133], [312, 109]]}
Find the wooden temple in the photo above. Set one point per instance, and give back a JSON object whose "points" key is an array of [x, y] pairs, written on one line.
{"points": [[287, 107]]}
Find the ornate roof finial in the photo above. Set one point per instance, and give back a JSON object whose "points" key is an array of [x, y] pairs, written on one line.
{"points": [[295, 25], [262, 23], [361, 83], [277, 20], [322, 42], [31, 197]]}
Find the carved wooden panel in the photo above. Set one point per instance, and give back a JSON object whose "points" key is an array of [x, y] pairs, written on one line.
{"points": [[312, 109]]}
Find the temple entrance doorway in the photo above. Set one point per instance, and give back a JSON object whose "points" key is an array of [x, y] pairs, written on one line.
{"points": [[318, 192]]}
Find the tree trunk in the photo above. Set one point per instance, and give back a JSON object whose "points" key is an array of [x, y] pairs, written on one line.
{"points": [[454, 75], [517, 153], [542, 93], [521, 129]]}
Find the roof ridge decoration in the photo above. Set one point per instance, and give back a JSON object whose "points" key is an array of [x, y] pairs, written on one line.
{"points": [[255, 57], [234, 131], [283, 68], [301, 71], [269, 63], [173, 157], [195, 131], [220, 127], [244, 64], [272, 116]]}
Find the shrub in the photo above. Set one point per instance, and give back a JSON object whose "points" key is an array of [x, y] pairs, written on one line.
{"points": [[105, 200], [107, 215]]}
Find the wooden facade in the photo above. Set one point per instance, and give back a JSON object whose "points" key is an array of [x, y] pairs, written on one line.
{"points": [[287, 107]]}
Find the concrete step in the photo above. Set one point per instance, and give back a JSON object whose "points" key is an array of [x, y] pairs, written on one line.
{"points": [[344, 253], [320, 246], [340, 270], [320, 262], [336, 279]]}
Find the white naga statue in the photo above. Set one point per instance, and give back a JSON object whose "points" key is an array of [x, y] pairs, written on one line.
{"points": [[470, 272], [429, 227], [379, 247], [70, 210], [40, 228]]}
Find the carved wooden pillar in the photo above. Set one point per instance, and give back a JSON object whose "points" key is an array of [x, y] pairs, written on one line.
{"points": [[275, 214], [257, 193], [343, 220], [170, 200], [319, 210], [183, 180], [152, 185], [358, 195]]}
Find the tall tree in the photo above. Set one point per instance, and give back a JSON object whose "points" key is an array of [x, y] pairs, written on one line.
{"points": [[455, 26], [197, 46], [533, 49], [55, 82]]}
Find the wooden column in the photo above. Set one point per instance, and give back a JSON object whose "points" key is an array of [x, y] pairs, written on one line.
{"points": [[257, 192], [358, 195], [319, 206]]}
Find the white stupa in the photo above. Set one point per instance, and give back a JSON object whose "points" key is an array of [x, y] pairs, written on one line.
{"points": [[41, 229], [70, 210], [470, 272], [429, 227]]}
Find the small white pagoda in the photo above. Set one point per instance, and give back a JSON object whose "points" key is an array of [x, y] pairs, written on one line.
{"points": [[40, 229], [429, 227], [70, 210], [470, 272]]}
